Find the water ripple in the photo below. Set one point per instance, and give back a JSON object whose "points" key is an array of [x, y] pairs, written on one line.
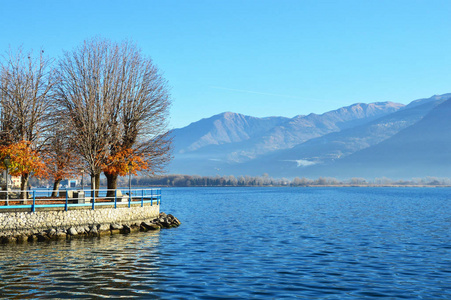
{"points": [[255, 244]]}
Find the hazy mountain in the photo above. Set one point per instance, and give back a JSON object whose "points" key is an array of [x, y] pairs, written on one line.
{"points": [[221, 129], [228, 138], [302, 159], [195, 145], [423, 149], [303, 128], [361, 140]]}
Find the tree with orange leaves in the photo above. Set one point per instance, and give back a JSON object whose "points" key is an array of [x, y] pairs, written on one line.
{"points": [[24, 162], [26, 89], [61, 159], [121, 164]]}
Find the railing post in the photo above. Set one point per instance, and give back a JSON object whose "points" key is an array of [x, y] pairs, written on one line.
{"points": [[142, 197], [129, 198], [115, 198], [151, 197], [33, 209], [67, 196], [93, 198]]}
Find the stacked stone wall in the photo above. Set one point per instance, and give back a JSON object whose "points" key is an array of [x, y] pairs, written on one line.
{"points": [[43, 220]]}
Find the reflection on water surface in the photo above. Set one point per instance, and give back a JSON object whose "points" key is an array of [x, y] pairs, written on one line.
{"points": [[82, 268]]}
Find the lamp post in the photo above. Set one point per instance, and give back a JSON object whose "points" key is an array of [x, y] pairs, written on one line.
{"points": [[7, 162], [130, 180]]}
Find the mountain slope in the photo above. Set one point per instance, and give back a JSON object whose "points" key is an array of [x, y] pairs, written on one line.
{"points": [[228, 138], [334, 146], [303, 128], [220, 129], [419, 150], [361, 140], [423, 149]]}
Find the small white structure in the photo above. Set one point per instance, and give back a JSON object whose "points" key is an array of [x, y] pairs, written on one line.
{"points": [[14, 181]]}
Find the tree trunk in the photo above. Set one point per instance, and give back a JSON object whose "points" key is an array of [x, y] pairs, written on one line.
{"points": [[111, 184], [23, 187], [56, 186], [97, 181], [93, 185]]}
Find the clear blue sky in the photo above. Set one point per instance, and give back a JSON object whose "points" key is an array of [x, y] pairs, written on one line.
{"points": [[259, 58]]}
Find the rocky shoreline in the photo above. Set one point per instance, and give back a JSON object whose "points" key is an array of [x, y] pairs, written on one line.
{"points": [[94, 230]]}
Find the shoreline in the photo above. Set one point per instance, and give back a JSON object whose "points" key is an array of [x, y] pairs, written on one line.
{"points": [[162, 221], [309, 186]]}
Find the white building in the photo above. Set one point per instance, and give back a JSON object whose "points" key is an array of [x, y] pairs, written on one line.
{"points": [[14, 181]]}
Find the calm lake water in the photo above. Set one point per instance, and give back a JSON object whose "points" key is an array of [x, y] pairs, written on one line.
{"points": [[256, 243]]}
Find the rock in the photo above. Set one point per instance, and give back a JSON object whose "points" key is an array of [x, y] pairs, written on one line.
{"points": [[115, 231], [42, 237], [154, 227], [72, 231], [10, 239], [174, 220], [94, 231], [164, 222], [60, 235], [126, 229], [177, 222], [52, 232], [33, 238], [104, 227], [104, 232], [149, 226], [22, 238], [116, 227], [27, 233]]}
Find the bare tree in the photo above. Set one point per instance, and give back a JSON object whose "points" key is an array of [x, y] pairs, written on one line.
{"points": [[143, 113], [6, 120], [85, 96], [26, 86], [113, 99]]}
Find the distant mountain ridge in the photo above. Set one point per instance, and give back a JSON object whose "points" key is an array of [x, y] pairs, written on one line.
{"points": [[234, 144], [423, 147], [220, 129]]}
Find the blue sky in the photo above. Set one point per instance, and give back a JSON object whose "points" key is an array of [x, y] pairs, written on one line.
{"points": [[259, 58]]}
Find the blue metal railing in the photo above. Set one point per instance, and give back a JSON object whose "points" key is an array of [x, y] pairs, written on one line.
{"points": [[41, 198]]}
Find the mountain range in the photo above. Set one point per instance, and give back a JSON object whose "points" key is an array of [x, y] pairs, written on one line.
{"points": [[361, 140]]}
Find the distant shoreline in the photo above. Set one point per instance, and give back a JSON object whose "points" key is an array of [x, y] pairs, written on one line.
{"points": [[309, 186], [180, 180]]}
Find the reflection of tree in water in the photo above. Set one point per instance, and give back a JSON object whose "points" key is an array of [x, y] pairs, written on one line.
{"points": [[122, 265]]}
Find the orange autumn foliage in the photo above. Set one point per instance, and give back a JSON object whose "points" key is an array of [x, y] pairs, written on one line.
{"points": [[24, 160], [124, 162], [62, 166]]}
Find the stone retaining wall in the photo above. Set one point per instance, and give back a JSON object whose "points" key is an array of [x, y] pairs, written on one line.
{"points": [[43, 220]]}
